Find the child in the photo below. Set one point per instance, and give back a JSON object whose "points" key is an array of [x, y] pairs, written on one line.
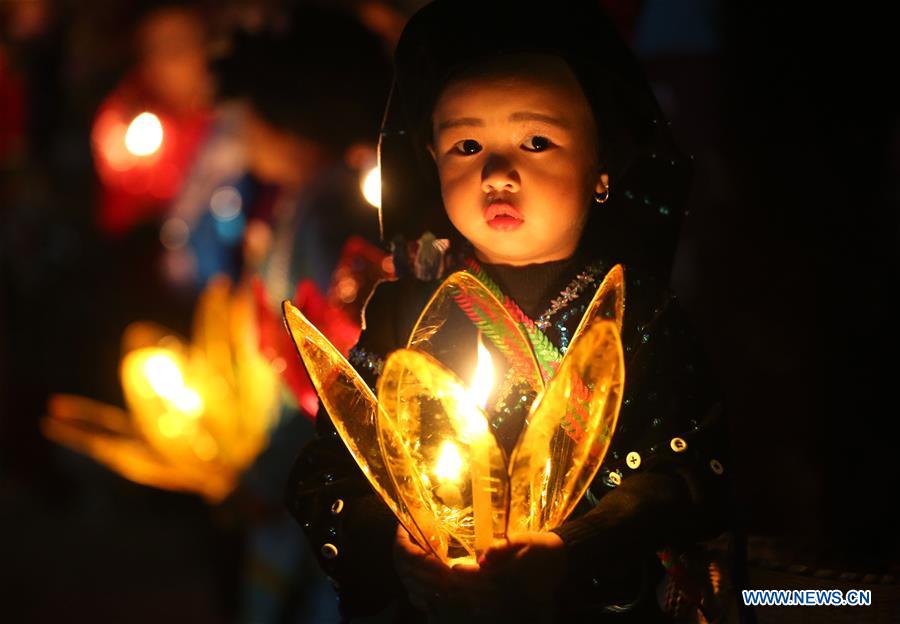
{"points": [[533, 131]]}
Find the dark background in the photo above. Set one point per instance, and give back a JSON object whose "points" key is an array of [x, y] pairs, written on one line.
{"points": [[788, 265]]}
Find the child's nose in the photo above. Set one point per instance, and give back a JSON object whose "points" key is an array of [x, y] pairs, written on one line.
{"points": [[499, 174]]}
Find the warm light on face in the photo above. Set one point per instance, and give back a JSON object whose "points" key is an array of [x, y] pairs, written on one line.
{"points": [[520, 140], [144, 135], [371, 186]]}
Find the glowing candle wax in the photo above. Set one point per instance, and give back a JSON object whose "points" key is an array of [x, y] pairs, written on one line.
{"points": [[476, 432]]}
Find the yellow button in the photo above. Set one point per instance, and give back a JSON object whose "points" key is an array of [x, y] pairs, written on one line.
{"points": [[329, 551], [633, 459], [615, 478], [337, 506], [678, 445]]}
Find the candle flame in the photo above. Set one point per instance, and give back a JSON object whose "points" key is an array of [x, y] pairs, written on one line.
{"points": [[474, 423], [483, 380]]}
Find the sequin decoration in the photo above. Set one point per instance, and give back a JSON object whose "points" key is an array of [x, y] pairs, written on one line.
{"points": [[563, 327], [570, 293], [364, 360]]}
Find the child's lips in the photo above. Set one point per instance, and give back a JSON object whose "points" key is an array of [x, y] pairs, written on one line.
{"points": [[503, 216]]}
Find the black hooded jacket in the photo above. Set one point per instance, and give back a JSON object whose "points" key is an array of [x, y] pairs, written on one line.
{"points": [[663, 482]]}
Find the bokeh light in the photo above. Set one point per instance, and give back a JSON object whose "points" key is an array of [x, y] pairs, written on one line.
{"points": [[371, 186], [144, 135], [225, 203]]}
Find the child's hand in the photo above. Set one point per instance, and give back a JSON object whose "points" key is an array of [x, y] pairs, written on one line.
{"points": [[523, 572], [424, 576]]}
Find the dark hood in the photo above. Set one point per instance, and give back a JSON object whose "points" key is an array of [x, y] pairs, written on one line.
{"points": [[649, 176]]}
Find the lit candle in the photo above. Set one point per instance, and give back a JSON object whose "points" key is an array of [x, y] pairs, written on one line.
{"points": [[477, 434]]}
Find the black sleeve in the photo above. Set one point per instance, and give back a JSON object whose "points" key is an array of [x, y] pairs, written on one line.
{"points": [[350, 528], [663, 481]]}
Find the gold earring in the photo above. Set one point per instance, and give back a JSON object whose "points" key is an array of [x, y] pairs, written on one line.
{"points": [[601, 198]]}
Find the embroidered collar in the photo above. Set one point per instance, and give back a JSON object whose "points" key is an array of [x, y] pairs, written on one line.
{"points": [[548, 355]]}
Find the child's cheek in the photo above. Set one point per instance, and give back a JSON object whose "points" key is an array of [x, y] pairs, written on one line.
{"points": [[457, 195], [559, 189], [460, 179]]}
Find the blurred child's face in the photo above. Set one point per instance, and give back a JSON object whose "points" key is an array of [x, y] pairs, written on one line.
{"points": [[173, 58], [516, 152]]}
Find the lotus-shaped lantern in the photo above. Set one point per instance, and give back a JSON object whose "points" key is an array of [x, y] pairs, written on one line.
{"points": [[427, 444], [198, 413]]}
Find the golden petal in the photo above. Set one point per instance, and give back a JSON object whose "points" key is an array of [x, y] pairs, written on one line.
{"points": [[78, 424], [353, 410], [441, 453], [608, 302], [568, 432]]}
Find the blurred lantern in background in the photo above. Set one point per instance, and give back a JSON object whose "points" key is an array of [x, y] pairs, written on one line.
{"points": [[198, 413]]}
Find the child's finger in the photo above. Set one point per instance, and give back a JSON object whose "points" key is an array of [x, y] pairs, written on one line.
{"points": [[465, 575], [405, 541], [499, 555], [410, 555]]}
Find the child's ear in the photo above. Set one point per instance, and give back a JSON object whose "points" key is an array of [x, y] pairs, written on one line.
{"points": [[602, 183]]}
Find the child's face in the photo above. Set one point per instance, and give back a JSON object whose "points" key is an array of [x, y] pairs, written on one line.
{"points": [[516, 152]]}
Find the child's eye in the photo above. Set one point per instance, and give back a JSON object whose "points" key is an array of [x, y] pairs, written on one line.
{"points": [[536, 143], [467, 147]]}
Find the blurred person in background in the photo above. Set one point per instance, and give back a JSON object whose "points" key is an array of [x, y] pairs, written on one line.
{"points": [[144, 137], [148, 129], [300, 111]]}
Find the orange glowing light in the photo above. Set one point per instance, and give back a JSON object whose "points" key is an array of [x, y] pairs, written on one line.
{"points": [[198, 414]]}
